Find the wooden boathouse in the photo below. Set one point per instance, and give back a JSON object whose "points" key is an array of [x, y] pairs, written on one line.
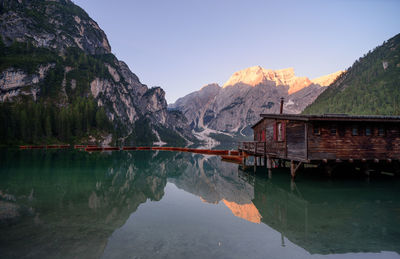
{"points": [[327, 139]]}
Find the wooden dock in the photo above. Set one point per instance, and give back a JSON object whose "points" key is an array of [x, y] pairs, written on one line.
{"points": [[365, 141]]}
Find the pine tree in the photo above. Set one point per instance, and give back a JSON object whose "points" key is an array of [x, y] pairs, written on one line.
{"points": [[23, 118], [48, 126]]}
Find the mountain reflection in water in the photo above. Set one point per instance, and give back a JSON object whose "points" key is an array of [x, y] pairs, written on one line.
{"points": [[74, 204]]}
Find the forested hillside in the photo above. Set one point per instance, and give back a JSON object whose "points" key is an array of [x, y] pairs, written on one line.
{"points": [[370, 86], [37, 122], [60, 82], [61, 113]]}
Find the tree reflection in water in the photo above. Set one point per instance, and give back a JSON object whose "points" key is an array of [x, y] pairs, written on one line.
{"points": [[68, 203]]}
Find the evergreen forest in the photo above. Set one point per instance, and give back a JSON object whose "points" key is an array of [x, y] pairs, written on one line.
{"points": [[371, 86], [60, 113]]}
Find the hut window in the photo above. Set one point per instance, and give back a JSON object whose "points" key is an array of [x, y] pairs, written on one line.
{"points": [[333, 131], [368, 131], [354, 132], [381, 131], [279, 131], [316, 130]]}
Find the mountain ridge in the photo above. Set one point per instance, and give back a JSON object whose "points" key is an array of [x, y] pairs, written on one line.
{"points": [[257, 75], [236, 105]]}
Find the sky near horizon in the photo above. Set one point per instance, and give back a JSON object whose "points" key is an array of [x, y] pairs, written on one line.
{"points": [[182, 45]]}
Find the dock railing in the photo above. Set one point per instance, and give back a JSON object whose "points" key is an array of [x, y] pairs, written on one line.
{"points": [[253, 147], [277, 149]]}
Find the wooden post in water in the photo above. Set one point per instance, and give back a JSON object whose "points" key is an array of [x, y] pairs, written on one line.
{"points": [[269, 162], [268, 165], [265, 160], [365, 170], [264, 154], [294, 168], [292, 165], [292, 184]]}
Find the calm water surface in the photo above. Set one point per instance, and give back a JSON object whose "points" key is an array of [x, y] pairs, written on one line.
{"points": [[146, 204]]}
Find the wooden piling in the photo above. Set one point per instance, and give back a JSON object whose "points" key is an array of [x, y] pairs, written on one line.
{"points": [[294, 168]]}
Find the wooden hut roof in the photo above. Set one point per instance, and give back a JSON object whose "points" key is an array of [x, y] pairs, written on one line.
{"points": [[331, 117]]}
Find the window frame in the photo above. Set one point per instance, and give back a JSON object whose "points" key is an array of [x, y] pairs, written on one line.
{"points": [[355, 131], [333, 130], [368, 131], [383, 133], [279, 128], [280, 131], [317, 130]]}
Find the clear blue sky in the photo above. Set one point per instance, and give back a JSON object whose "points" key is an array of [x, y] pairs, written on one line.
{"points": [[183, 45]]}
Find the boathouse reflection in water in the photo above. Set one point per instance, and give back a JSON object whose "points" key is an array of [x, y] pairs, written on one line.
{"points": [[66, 197]]}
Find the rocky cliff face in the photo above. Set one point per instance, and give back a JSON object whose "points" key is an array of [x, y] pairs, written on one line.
{"points": [[13, 81], [248, 93], [75, 54], [55, 24]]}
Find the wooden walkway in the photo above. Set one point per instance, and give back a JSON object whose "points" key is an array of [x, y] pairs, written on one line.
{"points": [[271, 156]]}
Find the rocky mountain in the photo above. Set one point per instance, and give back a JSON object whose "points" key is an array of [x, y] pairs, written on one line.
{"points": [[369, 86], [257, 75], [235, 106], [326, 80], [53, 54], [216, 182]]}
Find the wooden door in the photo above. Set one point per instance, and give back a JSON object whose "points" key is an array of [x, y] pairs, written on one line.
{"points": [[296, 140]]}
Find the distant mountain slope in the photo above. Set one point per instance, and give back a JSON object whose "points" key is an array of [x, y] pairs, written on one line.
{"points": [[59, 77], [370, 86], [327, 79], [237, 105]]}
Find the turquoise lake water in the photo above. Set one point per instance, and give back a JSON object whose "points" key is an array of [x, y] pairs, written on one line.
{"points": [[147, 204]]}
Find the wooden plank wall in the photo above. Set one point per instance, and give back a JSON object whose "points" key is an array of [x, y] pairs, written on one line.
{"points": [[296, 139], [258, 129], [273, 147], [343, 145]]}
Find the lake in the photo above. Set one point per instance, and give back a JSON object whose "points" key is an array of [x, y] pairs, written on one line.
{"points": [[148, 204]]}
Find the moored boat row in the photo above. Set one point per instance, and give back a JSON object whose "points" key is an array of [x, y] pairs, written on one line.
{"points": [[233, 158], [43, 146], [227, 155]]}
